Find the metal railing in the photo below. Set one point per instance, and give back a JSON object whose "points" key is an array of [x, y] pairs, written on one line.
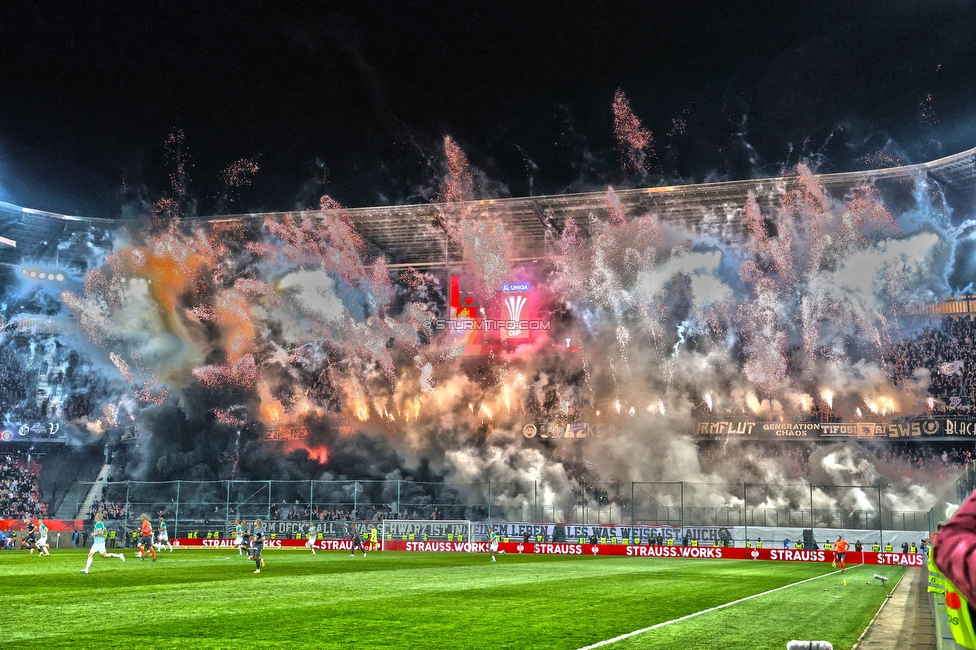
{"points": [[190, 505], [953, 497]]}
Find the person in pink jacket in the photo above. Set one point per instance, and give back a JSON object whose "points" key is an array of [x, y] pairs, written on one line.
{"points": [[954, 548]]}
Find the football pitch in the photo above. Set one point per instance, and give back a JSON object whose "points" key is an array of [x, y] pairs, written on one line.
{"points": [[211, 599]]}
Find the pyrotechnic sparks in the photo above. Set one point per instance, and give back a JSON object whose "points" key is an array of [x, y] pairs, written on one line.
{"points": [[828, 397], [228, 419], [458, 183], [305, 333], [636, 143]]}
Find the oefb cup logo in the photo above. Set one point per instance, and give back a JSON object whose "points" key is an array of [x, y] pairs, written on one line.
{"points": [[514, 305]]}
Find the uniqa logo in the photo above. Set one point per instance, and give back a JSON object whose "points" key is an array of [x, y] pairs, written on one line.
{"points": [[515, 304]]}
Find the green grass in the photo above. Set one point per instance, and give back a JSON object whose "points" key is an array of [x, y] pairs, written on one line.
{"points": [[211, 599]]}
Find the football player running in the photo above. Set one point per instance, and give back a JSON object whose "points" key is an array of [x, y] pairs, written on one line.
{"points": [[42, 547], [162, 536], [313, 533], [98, 544], [840, 553], [239, 536], [357, 541], [145, 538], [31, 540]]}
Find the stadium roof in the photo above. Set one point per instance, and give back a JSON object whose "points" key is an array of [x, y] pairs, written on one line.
{"points": [[414, 234]]}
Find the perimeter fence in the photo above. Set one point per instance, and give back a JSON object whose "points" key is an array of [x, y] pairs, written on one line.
{"points": [[947, 505], [195, 505]]}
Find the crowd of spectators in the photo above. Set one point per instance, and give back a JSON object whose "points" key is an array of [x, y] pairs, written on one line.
{"points": [[300, 512], [109, 509], [938, 348], [18, 490], [15, 385]]}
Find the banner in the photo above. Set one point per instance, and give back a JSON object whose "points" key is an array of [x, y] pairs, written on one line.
{"points": [[320, 544], [38, 431], [690, 552], [573, 532], [926, 428], [592, 550], [563, 431], [512, 530], [56, 525]]}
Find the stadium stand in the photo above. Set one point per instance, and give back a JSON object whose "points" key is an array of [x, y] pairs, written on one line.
{"points": [[19, 488], [936, 348], [66, 469]]}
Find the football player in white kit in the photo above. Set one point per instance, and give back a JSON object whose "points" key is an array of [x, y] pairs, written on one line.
{"points": [[239, 536], [313, 533], [162, 536], [492, 542], [42, 546], [98, 544]]}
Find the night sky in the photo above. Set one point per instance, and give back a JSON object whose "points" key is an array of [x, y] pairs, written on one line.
{"points": [[353, 99]]}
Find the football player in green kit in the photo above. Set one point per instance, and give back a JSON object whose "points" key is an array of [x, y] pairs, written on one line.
{"points": [[98, 544]]}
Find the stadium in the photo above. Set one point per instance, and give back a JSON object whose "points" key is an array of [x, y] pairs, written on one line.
{"points": [[687, 394], [528, 431]]}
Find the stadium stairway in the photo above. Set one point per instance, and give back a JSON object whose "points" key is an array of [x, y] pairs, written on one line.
{"points": [[69, 478], [94, 492], [62, 470]]}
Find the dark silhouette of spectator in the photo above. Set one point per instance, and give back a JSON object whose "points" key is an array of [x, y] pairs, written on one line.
{"points": [[955, 549]]}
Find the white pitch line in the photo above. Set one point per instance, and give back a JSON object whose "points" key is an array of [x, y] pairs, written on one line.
{"points": [[600, 644]]}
